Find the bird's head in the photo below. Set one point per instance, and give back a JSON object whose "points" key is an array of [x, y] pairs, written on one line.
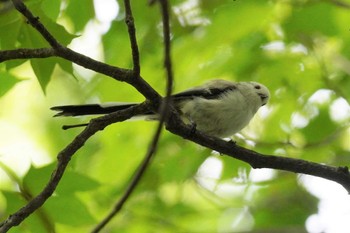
{"points": [[256, 92]]}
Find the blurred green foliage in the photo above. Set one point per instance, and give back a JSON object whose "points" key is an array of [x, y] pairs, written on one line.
{"points": [[295, 47]]}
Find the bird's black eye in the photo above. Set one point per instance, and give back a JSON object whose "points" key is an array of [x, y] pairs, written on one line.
{"points": [[257, 86]]}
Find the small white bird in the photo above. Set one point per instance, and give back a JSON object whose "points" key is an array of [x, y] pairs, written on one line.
{"points": [[218, 108]]}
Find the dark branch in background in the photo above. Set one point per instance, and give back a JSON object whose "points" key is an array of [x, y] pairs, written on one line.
{"points": [[5, 6], [64, 157], [339, 3], [165, 106], [129, 20]]}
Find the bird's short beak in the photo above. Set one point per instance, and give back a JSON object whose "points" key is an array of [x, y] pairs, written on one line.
{"points": [[263, 98]]}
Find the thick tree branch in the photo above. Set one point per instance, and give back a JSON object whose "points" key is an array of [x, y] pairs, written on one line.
{"points": [[6, 55], [340, 175]]}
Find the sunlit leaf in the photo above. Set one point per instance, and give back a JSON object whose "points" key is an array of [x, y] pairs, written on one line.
{"points": [[7, 82], [80, 18], [43, 70], [66, 208], [10, 25], [51, 8], [319, 127], [306, 21], [273, 202]]}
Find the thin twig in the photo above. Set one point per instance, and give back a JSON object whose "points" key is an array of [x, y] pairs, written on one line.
{"points": [[129, 20], [163, 114], [167, 44]]}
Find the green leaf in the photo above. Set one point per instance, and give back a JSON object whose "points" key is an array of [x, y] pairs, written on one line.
{"points": [[37, 178], [307, 21], [34, 223], [117, 36], [68, 209], [30, 38], [273, 202], [239, 12], [7, 82], [319, 127], [65, 65], [73, 182], [10, 24], [232, 167], [187, 158], [78, 16], [43, 70], [14, 201], [58, 31], [51, 8]]}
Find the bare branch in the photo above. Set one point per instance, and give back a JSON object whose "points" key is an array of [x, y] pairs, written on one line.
{"points": [[117, 73], [64, 157], [114, 72]]}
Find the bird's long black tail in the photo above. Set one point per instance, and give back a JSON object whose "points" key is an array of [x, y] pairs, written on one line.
{"points": [[89, 109]]}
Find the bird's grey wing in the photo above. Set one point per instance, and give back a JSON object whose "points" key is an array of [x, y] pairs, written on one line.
{"points": [[206, 93]]}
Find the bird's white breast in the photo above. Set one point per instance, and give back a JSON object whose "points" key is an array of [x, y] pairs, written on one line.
{"points": [[219, 117]]}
